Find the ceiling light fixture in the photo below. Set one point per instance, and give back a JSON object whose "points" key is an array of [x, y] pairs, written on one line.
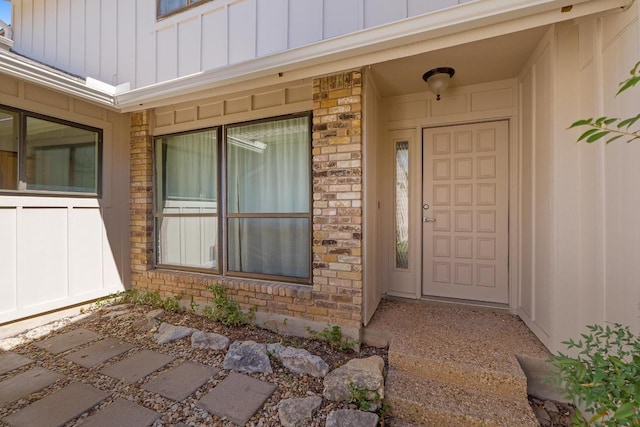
{"points": [[438, 79]]}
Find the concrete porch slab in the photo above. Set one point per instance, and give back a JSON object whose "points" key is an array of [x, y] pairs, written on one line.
{"points": [[99, 352], [237, 398], [122, 413], [138, 366], [61, 343], [26, 383], [10, 361], [179, 382], [58, 408]]}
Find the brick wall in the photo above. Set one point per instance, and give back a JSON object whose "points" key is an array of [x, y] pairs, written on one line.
{"points": [[336, 294]]}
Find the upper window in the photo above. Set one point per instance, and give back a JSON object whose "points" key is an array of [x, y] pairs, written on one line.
{"points": [[264, 231], [44, 154], [167, 7]]}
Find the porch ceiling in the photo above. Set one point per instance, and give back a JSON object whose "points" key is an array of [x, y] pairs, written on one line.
{"points": [[482, 61]]}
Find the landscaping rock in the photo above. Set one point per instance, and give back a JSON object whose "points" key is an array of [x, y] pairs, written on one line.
{"points": [[168, 332], [209, 341], [351, 418], [362, 374], [298, 412], [247, 356], [144, 325], [299, 361], [157, 314]]}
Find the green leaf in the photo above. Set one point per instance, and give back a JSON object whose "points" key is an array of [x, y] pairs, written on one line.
{"points": [[580, 123], [628, 122], [624, 411], [610, 140], [597, 136], [587, 133], [628, 84], [610, 120]]}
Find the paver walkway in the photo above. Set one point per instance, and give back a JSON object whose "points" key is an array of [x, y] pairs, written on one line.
{"points": [[236, 398]]}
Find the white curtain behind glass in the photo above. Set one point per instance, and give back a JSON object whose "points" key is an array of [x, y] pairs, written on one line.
{"points": [[187, 180], [273, 180]]}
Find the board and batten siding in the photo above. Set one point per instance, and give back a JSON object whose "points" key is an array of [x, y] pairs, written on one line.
{"points": [[580, 237], [60, 251], [120, 41]]}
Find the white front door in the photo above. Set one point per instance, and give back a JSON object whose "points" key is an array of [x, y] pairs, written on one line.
{"points": [[465, 212]]}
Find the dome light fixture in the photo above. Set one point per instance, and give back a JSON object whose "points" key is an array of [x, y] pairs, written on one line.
{"points": [[438, 79]]}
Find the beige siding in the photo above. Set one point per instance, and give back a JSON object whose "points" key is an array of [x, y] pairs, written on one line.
{"points": [[580, 235], [60, 251]]}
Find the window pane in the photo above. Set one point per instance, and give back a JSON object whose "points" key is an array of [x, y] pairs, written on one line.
{"points": [[61, 157], [268, 167], [8, 150], [274, 246], [188, 241], [402, 204], [166, 6], [186, 172]]}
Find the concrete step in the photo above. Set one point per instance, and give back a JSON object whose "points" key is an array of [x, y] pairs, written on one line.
{"points": [[415, 400], [505, 379]]}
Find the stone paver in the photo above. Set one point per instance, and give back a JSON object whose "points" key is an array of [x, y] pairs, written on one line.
{"points": [[10, 361], [179, 382], [138, 366], [26, 383], [99, 352], [122, 413], [237, 398], [67, 341], [58, 408]]}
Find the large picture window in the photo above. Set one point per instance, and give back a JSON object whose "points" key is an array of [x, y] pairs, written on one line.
{"points": [[43, 154], [266, 220]]}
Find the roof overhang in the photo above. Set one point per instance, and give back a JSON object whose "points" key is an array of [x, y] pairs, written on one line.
{"points": [[448, 27]]}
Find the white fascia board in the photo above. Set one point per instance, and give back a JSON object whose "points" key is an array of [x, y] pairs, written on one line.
{"points": [[342, 51], [40, 75]]}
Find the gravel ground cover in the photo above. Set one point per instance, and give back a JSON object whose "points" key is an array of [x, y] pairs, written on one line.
{"points": [[186, 412]]}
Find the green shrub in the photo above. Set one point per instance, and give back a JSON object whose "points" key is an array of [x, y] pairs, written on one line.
{"points": [[334, 337], [604, 377], [154, 299], [224, 310]]}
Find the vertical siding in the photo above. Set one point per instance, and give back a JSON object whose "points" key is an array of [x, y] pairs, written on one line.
{"points": [[305, 25], [92, 37], [342, 17], [51, 28], [272, 26], [536, 191], [145, 40], [189, 36], [60, 251], [77, 45], [126, 36], [119, 41], [42, 256], [109, 31], [62, 36], [8, 259], [214, 34], [166, 54], [378, 12], [242, 30]]}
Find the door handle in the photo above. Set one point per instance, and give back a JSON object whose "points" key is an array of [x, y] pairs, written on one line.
{"points": [[428, 219]]}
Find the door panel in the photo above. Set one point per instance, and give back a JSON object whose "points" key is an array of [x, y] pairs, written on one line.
{"points": [[465, 212]]}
